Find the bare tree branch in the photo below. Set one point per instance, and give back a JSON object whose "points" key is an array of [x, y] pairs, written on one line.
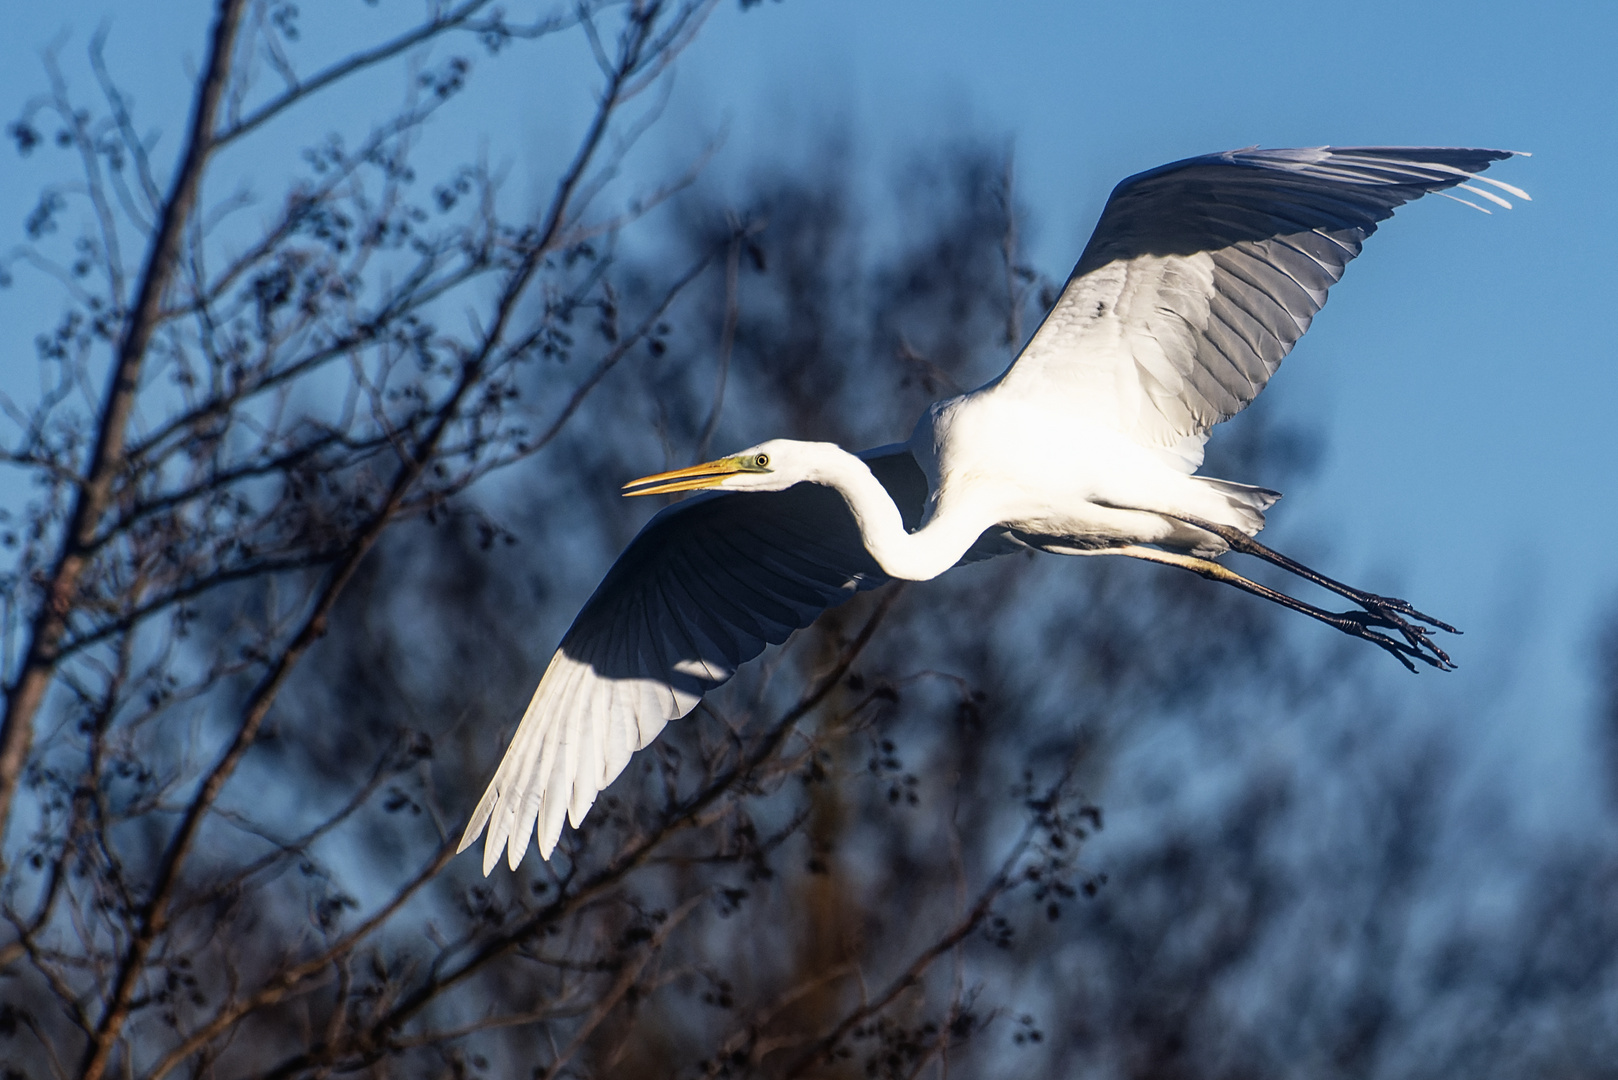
{"points": [[27, 691]]}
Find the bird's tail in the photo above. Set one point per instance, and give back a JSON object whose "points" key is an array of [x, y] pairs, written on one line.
{"points": [[1247, 503]]}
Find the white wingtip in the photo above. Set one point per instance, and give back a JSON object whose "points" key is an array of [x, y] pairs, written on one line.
{"points": [[474, 829], [569, 746], [491, 855], [516, 848], [1485, 194], [1509, 189], [1465, 202]]}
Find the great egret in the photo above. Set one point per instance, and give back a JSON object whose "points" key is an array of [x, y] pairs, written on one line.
{"points": [[1199, 278]]}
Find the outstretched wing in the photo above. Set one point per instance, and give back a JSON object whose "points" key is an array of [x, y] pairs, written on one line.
{"points": [[704, 587], [1202, 274]]}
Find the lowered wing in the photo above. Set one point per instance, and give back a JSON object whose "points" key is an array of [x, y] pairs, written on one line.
{"points": [[704, 587], [1203, 274]]}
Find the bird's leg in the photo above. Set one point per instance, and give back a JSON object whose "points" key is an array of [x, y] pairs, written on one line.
{"points": [[1386, 611], [1354, 623]]}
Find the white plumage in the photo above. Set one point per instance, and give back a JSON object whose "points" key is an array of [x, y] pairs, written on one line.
{"points": [[1200, 277]]}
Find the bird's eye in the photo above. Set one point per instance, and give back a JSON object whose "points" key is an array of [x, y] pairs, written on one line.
{"points": [[762, 460]]}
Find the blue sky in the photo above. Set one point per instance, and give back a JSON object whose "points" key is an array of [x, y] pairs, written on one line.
{"points": [[1462, 375]]}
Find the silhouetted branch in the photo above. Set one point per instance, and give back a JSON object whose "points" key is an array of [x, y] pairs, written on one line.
{"points": [[27, 691], [364, 1047]]}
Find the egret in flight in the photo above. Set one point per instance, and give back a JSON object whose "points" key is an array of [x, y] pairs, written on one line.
{"points": [[1200, 277]]}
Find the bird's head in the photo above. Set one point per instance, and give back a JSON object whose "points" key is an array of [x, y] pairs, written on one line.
{"points": [[770, 466]]}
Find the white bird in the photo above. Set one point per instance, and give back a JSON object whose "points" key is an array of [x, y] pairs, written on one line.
{"points": [[1200, 277]]}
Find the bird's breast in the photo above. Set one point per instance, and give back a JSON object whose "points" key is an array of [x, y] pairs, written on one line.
{"points": [[1038, 468]]}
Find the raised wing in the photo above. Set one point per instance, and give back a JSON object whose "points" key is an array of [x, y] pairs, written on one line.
{"points": [[704, 587], [1202, 274]]}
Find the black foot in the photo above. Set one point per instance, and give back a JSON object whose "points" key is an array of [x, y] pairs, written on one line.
{"points": [[1381, 612], [1389, 612], [1418, 643]]}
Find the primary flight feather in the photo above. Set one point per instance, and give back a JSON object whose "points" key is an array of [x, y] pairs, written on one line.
{"points": [[1200, 277]]}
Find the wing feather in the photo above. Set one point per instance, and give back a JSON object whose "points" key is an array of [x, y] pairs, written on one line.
{"points": [[1203, 274], [1280, 302]]}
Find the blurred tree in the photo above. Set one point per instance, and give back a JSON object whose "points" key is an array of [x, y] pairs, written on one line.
{"points": [[1606, 657], [275, 603]]}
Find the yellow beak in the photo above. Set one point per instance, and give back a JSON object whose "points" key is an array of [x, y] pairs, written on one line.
{"points": [[706, 475]]}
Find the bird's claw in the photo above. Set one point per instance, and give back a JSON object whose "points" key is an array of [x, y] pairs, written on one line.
{"points": [[1377, 604], [1388, 614]]}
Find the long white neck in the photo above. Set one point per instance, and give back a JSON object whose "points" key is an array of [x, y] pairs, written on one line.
{"points": [[913, 556]]}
